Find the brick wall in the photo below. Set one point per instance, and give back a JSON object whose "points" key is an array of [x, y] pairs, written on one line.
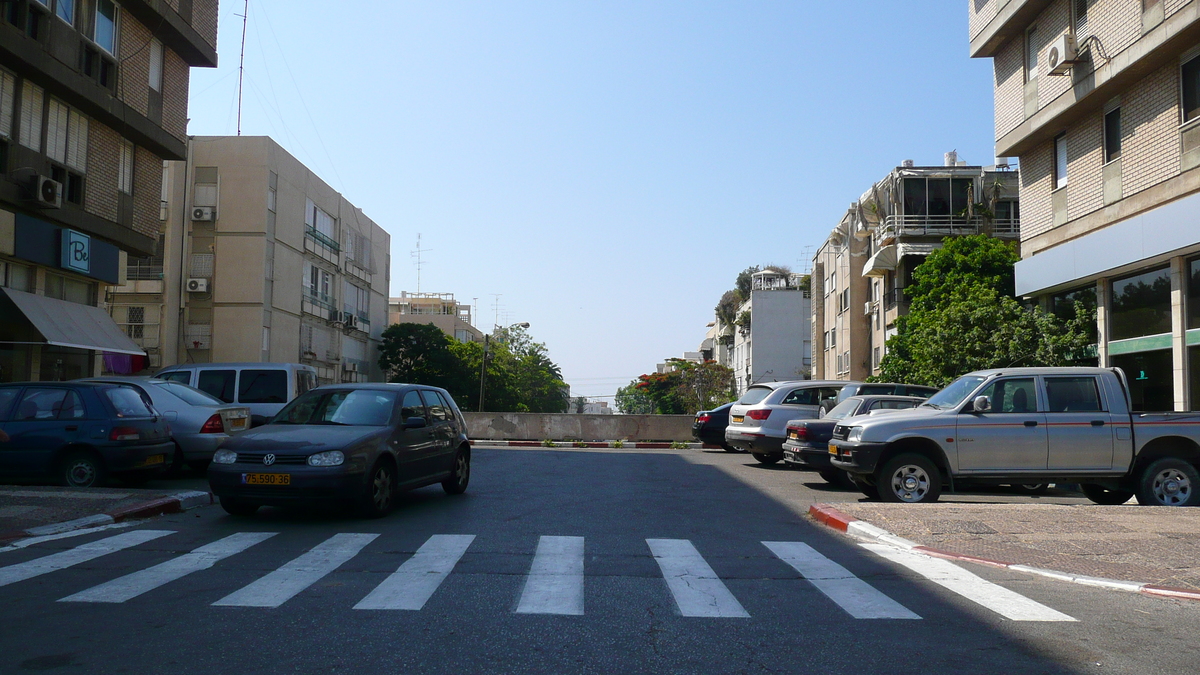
{"points": [[1051, 23], [1009, 79], [1116, 23], [1036, 212], [1172, 6], [147, 192], [204, 20], [134, 77], [1085, 162], [980, 13], [176, 76], [104, 147], [1150, 150]]}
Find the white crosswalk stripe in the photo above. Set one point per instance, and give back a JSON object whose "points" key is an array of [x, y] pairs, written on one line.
{"points": [[133, 585], [284, 583], [857, 597], [695, 586], [555, 581], [1006, 603], [411, 586], [77, 555]]}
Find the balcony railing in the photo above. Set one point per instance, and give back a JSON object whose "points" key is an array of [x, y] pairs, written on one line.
{"points": [[943, 226], [144, 272], [895, 298], [318, 298], [322, 239]]}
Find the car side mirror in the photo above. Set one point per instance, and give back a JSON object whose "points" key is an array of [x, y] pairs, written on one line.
{"points": [[415, 423], [981, 404]]}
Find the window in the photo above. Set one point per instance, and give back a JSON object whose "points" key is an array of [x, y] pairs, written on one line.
{"points": [[320, 221], [49, 404], [1031, 54], [8, 90], [1150, 377], [1191, 89], [105, 33], [1072, 394], [156, 64], [1141, 305], [936, 196], [1060, 162], [1063, 306], [180, 376], [65, 9], [204, 191], [1018, 395], [66, 135], [1080, 8], [128, 402], [356, 301], [135, 317], [1112, 134], [125, 168], [412, 406], [1193, 296], [219, 383], [32, 97], [7, 396], [71, 290], [263, 386], [1007, 211], [437, 408]]}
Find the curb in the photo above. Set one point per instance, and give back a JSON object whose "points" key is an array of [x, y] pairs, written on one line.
{"points": [[834, 519], [176, 503], [661, 445]]}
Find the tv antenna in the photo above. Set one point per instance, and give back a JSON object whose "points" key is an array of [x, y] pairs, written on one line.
{"points": [[416, 254], [242, 63], [496, 308]]}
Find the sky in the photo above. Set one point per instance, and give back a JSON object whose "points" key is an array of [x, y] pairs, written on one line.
{"points": [[601, 170]]}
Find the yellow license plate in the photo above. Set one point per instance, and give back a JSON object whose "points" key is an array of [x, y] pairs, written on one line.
{"points": [[154, 459], [237, 423], [266, 479], [738, 418]]}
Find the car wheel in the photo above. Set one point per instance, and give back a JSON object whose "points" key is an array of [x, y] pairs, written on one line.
{"points": [[765, 460], [238, 507], [176, 466], [1104, 496], [909, 478], [1168, 482], [460, 475], [1032, 488], [376, 499], [81, 469], [729, 448]]}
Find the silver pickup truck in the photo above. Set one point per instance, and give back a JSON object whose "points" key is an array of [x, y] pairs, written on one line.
{"points": [[1026, 425]]}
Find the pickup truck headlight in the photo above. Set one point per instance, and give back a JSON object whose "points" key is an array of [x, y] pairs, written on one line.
{"points": [[855, 434], [331, 458], [224, 457]]}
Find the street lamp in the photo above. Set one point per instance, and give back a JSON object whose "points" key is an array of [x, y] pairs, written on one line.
{"points": [[483, 364]]}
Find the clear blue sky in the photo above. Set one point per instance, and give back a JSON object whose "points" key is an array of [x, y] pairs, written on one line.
{"points": [[607, 167]]}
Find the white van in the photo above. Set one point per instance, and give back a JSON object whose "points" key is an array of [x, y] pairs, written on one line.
{"points": [[263, 387]]}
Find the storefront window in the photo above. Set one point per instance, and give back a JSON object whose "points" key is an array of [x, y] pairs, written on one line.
{"points": [[1141, 305], [1194, 376], [1149, 375], [16, 276], [1193, 294], [1063, 306]]}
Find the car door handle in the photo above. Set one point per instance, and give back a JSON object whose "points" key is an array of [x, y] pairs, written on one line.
{"points": [[1031, 423], [72, 427], [1097, 423]]}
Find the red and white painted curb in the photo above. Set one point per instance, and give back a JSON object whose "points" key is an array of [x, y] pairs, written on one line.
{"points": [[176, 503], [596, 444], [831, 517]]}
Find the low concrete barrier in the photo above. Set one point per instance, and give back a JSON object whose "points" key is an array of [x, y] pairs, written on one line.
{"points": [[563, 426]]}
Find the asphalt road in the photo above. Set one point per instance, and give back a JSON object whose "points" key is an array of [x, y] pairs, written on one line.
{"points": [[286, 602]]}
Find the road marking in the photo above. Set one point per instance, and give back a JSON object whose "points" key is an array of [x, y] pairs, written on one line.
{"points": [[284, 583], [555, 581], [23, 543], [79, 554], [411, 586], [1006, 603], [133, 585], [696, 588], [857, 597]]}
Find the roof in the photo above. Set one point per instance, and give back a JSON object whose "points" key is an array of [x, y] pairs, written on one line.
{"points": [[1043, 370], [792, 383]]}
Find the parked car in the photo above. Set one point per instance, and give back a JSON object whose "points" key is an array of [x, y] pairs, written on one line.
{"points": [[355, 443], [79, 433], [758, 419], [263, 387], [884, 389], [709, 427], [1024, 426], [807, 441], [199, 422]]}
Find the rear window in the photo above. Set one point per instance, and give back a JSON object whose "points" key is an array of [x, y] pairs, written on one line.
{"points": [[219, 383], [923, 392], [843, 410], [128, 402], [876, 389], [263, 386], [189, 395], [181, 376], [754, 395]]}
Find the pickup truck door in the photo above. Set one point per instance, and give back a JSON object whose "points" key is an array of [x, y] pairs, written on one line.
{"points": [[1079, 429], [1011, 435]]}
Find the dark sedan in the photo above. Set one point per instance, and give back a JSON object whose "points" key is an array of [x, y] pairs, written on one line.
{"points": [[807, 441], [350, 443], [709, 427]]}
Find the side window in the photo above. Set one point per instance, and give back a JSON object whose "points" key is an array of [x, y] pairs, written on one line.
{"points": [[829, 392], [804, 397], [262, 386], [875, 389], [446, 406], [892, 405], [1017, 395], [180, 376], [412, 406], [219, 383], [7, 396], [40, 404], [437, 411], [72, 407], [1072, 394], [305, 381]]}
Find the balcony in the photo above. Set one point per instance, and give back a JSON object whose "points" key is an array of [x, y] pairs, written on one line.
{"points": [[318, 298], [895, 298], [144, 272], [896, 226], [322, 239]]}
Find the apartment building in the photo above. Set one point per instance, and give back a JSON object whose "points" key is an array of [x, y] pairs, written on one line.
{"points": [[440, 309], [260, 260], [1100, 101], [861, 270], [771, 339], [93, 99]]}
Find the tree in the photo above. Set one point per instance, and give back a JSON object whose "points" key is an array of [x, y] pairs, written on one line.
{"points": [[420, 354], [633, 401], [687, 388], [745, 282], [961, 262]]}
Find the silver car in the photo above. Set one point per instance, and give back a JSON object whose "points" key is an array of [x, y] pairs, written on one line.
{"points": [[758, 421], [199, 422]]}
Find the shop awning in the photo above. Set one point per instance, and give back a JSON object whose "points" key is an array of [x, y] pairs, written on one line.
{"points": [[26, 318]]}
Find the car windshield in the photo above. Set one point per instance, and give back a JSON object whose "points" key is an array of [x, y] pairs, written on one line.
{"points": [[189, 395], [357, 407], [754, 395], [844, 409], [954, 393]]}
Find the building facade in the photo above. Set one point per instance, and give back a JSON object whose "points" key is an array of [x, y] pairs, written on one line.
{"points": [[93, 99], [771, 340], [1100, 101], [861, 270], [260, 260], [440, 309]]}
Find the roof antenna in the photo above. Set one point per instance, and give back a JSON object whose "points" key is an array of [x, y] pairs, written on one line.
{"points": [[417, 255], [242, 63]]}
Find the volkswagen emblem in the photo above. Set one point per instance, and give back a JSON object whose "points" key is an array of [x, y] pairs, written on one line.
{"points": [[269, 459]]}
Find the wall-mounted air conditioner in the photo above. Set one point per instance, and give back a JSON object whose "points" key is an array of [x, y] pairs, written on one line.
{"points": [[867, 307], [47, 192], [1063, 54], [350, 367], [197, 285], [204, 213]]}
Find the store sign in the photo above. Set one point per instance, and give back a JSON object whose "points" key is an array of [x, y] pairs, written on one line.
{"points": [[76, 252]]}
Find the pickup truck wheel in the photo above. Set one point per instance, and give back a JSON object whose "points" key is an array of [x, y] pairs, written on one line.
{"points": [[1104, 496], [1169, 482], [909, 478], [766, 459]]}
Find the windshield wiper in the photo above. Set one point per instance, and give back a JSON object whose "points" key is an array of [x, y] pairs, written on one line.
{"points": [[340, 424], [931, 405]]}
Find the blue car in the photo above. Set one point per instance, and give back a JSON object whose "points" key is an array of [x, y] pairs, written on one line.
{"points": [[79, 433]]}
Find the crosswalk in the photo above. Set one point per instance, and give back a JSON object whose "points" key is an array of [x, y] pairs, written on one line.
{"points": [[555, 583]]}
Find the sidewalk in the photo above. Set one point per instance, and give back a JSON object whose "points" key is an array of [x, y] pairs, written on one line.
{"points": [[1159, 546], [36, 510]]}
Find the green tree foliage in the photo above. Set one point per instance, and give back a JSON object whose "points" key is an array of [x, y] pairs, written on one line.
{"points": [[688, 388], [633, 401], [745, 282], [420, 354], [963, 317], [727, 308]]}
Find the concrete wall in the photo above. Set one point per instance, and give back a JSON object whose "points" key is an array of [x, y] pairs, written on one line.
{"points": [[565, 426]]}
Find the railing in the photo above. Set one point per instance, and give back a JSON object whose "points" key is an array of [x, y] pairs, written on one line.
{"points": [[318, 298], [140, 272], [943, 226], [894, 298], [322, 239]]}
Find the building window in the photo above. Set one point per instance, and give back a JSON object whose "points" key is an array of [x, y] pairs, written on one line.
{"points": [[66, 135], [65, 9], [1149, 374], [1063, 306], [135, 319], [1141, 305], [8, 90], [125, 168], [1191, 89], [1112, 135], [1060, 162], [32, 98], [1193, 297], [105, 27], [1031, 54], [156, 64], [321, 225], [71, 290], [1081, 20], [936, 196]]}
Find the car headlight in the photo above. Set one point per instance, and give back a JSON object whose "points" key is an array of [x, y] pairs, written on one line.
{"points": [[331, 458], [855, 434], [224, 457]]}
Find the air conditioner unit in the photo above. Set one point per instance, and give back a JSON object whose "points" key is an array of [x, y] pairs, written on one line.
{"points": [[336, 317], [197, 285], [350, 367], [1062, 55], [349, 320], [204, 213], [47, 192]]}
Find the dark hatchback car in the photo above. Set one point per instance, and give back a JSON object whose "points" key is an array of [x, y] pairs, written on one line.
{"points": [[807, 441], [350, 443], [709, 427], [79, 433]]}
